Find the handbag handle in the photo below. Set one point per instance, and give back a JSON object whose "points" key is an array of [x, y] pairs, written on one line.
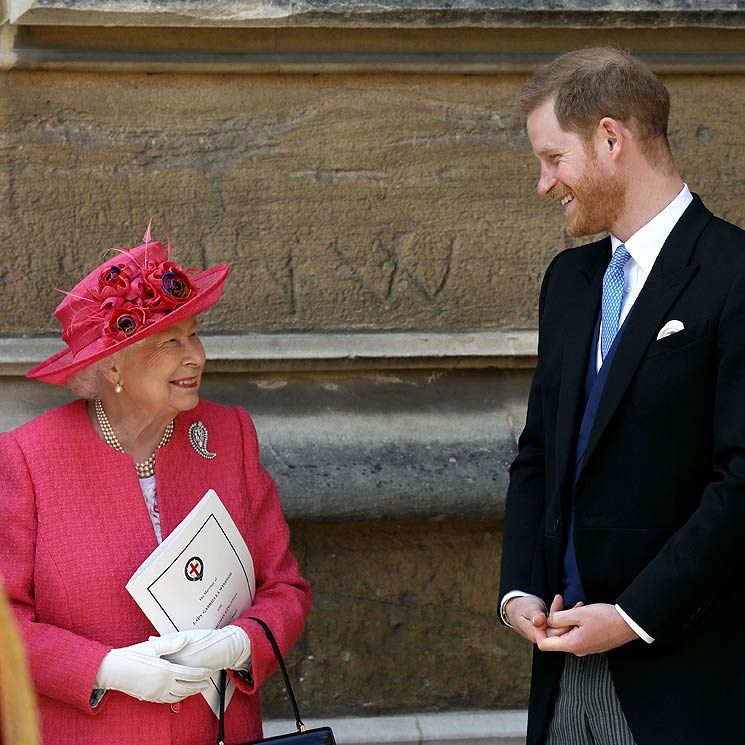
{"points": [[288, 686]]}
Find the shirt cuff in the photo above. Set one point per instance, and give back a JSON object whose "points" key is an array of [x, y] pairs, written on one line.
{"points": [[516, 594], [635, 627]]}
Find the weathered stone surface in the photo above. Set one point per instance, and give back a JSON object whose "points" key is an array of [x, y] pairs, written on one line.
{"points": [[343, 203], [306, 50], [404, 619], [331, 218], [401, 447], [374, 12], [416, 445]]}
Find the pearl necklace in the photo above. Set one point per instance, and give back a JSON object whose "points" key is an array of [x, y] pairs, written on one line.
{"points": [[147, 467]]}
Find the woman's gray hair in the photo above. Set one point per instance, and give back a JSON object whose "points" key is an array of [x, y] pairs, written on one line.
{"points": [[90, 382]]}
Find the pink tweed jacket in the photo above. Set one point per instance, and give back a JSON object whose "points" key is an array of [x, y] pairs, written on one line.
{"points": [[74, 527]]}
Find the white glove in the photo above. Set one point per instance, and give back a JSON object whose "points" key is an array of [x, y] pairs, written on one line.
{"points": [[140, 672], [219, 649]]}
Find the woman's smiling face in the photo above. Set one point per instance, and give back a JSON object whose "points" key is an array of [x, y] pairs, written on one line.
{"points": [[160, 375]]}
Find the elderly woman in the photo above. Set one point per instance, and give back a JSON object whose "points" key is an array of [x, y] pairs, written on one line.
{"points": [[88, 490]]}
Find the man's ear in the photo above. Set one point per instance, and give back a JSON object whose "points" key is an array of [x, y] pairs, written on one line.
{"points": [[611, 136]]}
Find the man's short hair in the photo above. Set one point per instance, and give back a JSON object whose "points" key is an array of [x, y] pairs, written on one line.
{"points": [[589, 84]]}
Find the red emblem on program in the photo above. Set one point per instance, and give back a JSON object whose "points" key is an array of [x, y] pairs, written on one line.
{"points": [[194, 569]]}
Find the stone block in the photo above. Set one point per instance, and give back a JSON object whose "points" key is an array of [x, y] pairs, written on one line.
{"points": [[404, 619], [360, 203]]}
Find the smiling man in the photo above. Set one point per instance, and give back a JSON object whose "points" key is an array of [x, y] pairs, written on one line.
{"points": [[624, 538]]}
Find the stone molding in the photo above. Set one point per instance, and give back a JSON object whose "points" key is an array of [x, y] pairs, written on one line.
{"points": [[506, 727], [336, 62], [359, 38], [314, 351], [355, 427], [377, 13]]}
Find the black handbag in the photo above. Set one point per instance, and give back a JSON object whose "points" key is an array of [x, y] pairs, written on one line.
{"points": [[317, 736]]}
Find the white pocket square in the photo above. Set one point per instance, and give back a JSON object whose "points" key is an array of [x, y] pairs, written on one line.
{"points": [[670, 328]]}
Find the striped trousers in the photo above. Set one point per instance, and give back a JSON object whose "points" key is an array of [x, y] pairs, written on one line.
{"points": [[587, 711]]}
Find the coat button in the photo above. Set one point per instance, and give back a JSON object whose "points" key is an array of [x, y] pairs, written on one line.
{"points": [[557, 525], [176, 708]]}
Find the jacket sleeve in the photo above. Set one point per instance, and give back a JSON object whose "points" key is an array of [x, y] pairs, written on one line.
{"points": [[522, 546], [283, 597], [63, 664], [704, 558]]}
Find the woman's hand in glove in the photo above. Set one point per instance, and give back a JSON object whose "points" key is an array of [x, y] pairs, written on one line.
{"points": [[228, 648], [144, 672]]}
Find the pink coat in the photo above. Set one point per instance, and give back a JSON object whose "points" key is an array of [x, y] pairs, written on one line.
{"points": [[74, 527]]}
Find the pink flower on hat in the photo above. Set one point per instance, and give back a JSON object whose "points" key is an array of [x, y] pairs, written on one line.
{"points": [[114, 281], [136, 294], [170, 283], [126, 320]]}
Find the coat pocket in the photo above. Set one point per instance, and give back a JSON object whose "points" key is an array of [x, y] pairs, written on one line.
{"points": [[677, 340]]}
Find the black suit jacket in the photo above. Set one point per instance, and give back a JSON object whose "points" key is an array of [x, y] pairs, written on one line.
{"points": [[659, 505]]}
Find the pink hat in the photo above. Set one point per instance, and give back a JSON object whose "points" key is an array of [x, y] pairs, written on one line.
{"points": [[133, 295]]}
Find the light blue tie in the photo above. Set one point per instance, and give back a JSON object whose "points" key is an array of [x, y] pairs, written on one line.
{"points": [[613, 284]]}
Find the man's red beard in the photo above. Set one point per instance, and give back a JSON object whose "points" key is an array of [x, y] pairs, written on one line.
{"points": [[599, 200]]}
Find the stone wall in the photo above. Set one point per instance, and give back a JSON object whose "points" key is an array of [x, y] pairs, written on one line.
{"points": [[341, 203], [403, 620], [331, 219]]}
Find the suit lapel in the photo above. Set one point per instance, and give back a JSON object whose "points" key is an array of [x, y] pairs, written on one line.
{"points": [[669, 276], [580, 325]]}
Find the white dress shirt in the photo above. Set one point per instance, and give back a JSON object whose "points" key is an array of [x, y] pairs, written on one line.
{"points": [[644, 247]]}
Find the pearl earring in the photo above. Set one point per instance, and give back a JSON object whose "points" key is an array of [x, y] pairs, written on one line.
{"points": [[118, 388]]}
